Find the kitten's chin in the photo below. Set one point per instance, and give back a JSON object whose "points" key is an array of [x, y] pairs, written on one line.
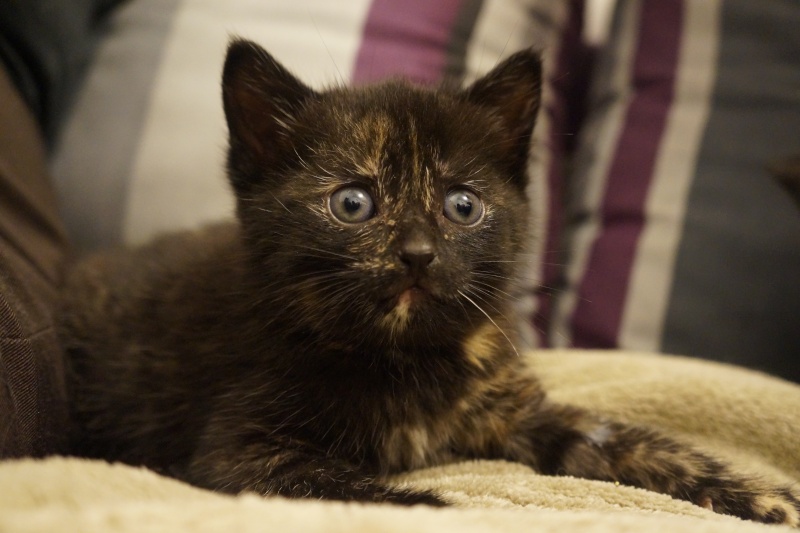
{"points": [[402, 307], [411, 296]]}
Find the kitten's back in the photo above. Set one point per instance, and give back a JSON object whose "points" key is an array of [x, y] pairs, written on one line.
{"points": [[125, 315]]}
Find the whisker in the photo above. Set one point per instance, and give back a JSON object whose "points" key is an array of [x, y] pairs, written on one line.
{"points": [[479, 308], [501, 261], [328, 50], [323, 251], [281, 203], [484, 296], [483, 283]]}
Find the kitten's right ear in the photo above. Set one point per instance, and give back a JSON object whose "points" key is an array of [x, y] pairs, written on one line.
{"points": [[261, 100], [512, 91]]}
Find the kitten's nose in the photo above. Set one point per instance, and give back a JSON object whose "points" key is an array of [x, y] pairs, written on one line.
{"points": [[417, 251]]}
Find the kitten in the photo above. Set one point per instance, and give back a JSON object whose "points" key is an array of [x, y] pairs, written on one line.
{"points": [[355, 322]]}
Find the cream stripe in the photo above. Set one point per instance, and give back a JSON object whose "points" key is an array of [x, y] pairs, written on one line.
{"points": [[594, 159], [651, 279], [488, 46]]}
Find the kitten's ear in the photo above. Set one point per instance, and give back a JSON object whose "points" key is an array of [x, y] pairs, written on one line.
{"points": [[512, 91], [261, 99]]}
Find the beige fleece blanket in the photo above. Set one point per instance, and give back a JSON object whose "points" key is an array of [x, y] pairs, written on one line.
{"points": [[751, 419]]}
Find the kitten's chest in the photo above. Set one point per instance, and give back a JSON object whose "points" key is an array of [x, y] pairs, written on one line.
{"points": [[475, 422], [415, 444], [428, 410]]}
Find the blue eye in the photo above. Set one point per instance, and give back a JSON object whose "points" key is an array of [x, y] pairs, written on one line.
{"points": [[352, 205], [463, 206]]}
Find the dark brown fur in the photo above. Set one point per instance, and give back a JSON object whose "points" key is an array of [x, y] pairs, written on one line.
{"points": [[294, 354], [787, 172]]}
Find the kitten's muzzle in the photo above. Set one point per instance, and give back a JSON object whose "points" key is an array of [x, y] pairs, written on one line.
{"points": [[410, 290], [418, 260], [417, 251]]}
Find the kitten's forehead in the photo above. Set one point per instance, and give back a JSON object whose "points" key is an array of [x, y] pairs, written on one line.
{"points": [[370, 135], [397, 135]]}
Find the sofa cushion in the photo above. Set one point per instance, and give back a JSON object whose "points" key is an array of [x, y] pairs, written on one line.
{"points": [[33, 414]]}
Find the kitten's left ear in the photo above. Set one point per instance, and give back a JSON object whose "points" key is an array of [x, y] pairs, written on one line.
{"points": [[512, 91], [261, 100]]}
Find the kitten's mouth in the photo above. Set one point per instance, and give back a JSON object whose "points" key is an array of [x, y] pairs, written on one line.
{"points": [[401, 307], [408, 297], [411, 296]]}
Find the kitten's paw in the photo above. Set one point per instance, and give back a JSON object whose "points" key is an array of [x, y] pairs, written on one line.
{"points": [[411, 497], [770, 506], [782, 507]]}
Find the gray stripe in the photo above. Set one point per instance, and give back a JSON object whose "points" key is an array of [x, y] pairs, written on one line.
{"points": [[93, 161], [736, 295]]}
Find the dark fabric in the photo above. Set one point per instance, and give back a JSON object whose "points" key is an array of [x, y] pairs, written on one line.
{"points": [[33, 412], [46, 45]]}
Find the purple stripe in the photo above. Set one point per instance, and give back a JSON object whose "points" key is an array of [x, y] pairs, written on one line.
{"points": [[563, 80], [409, 38], [603, 290]]}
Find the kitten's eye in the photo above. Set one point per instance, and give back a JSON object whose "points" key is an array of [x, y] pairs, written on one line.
{"points": [[463, 207], [352, 205]]}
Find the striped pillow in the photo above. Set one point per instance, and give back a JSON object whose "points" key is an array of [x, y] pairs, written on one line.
{"points": [[144, 149], [679, 241]]}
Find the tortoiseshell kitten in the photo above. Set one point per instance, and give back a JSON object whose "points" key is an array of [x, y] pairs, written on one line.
{"points": [[355, 322]]}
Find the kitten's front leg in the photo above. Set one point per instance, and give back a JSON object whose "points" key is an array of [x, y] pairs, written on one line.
{"points": [[561, 440], [288, 467]]}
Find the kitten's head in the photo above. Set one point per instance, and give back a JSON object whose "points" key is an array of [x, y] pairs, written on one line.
{"points": [[384, 215]]}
